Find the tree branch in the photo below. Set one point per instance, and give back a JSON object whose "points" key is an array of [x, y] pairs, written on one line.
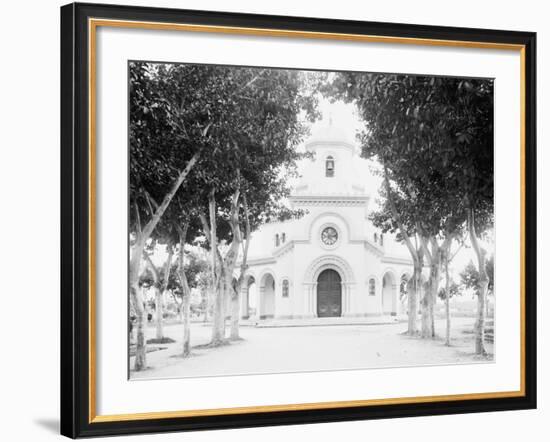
{"points": [[181, 253], [150, 201], [153, 268], [138, 218], [208, 233], [166, 201], [168, 266], [456, 251], [479, 251]]}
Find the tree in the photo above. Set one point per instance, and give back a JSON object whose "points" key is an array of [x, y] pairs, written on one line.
{"points": [[472, 172], [390, 217], [197, 119], [165, 281], [180, 226], [469, 276], [157, 285], [166, 137], [243, 181], [453, 289], [446, 293], [423, 131], [196, 270]]}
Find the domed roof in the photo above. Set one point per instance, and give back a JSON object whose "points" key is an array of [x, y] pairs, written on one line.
{"points": [[329, 134]]}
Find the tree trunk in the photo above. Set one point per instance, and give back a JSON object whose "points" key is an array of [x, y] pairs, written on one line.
{"points": [[433, 287], [427, 330], [242, 280], [142, 236], [430, 297], [222, 267], [140, 362], [159, 314], [413, 286], [482, 287], [186, 307], [207, 303], [232, 292], [185, 292], [428, 300], [162, 291], [235, 314], [218, 317], [218, 277], [136, 297], [447, 300], [411, 328], [480, 348], [158, 299]]}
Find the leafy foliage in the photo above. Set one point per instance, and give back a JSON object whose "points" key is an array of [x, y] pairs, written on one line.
{"points": [[454, 290], [434, 136], [246, 122]]}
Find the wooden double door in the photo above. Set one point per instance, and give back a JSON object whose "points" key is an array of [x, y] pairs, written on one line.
{"points": [[329, 294]]}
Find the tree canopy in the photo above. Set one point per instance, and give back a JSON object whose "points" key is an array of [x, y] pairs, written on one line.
{"points": [[434, 136]]}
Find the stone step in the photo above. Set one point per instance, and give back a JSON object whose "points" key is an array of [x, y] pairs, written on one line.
{"points": [[310, 322]]}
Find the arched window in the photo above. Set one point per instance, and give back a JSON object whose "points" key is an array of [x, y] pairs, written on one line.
{"points": [[329, 167], [277, 240], [283, 238], [285, 288], [381, 239], [376, 237], [372, 287]]}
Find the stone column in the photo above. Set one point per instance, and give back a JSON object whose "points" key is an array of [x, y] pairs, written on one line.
{"points": [[309, 299], [345, 305], [244, 302], [259, 303], [394, 298], [347, 296], [313, 308]]}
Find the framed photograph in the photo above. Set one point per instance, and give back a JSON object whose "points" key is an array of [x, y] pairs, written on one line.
{"points": [[274, 220]]}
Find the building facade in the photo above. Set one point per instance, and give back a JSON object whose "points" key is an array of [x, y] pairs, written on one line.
{"points": [[331, 262]]}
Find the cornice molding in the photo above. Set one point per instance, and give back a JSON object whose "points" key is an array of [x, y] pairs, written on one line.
{"points": [[330, 200]]}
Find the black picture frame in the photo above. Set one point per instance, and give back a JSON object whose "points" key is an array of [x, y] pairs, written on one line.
{"points": [[76, 417]]}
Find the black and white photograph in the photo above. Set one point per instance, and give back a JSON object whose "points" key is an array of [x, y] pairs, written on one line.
{"points": [[287, 220], [274, 221]]}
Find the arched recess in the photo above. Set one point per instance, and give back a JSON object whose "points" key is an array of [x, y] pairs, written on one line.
{"points": [[329, 262], [248, 300], [267, 296], [329, 293], [345, 280], [389, 293]]}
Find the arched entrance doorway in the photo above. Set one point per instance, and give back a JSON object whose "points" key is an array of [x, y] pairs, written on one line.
{"points": [[329, 294]]}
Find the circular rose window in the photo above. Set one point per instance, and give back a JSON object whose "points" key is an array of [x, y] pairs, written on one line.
{"points": [[329, 236]]}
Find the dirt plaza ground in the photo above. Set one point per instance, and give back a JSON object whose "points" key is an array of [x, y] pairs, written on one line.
{"points": [[307, 348]]}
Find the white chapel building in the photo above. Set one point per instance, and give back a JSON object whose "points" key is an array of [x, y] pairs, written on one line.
{"points": [[332, 262]]}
